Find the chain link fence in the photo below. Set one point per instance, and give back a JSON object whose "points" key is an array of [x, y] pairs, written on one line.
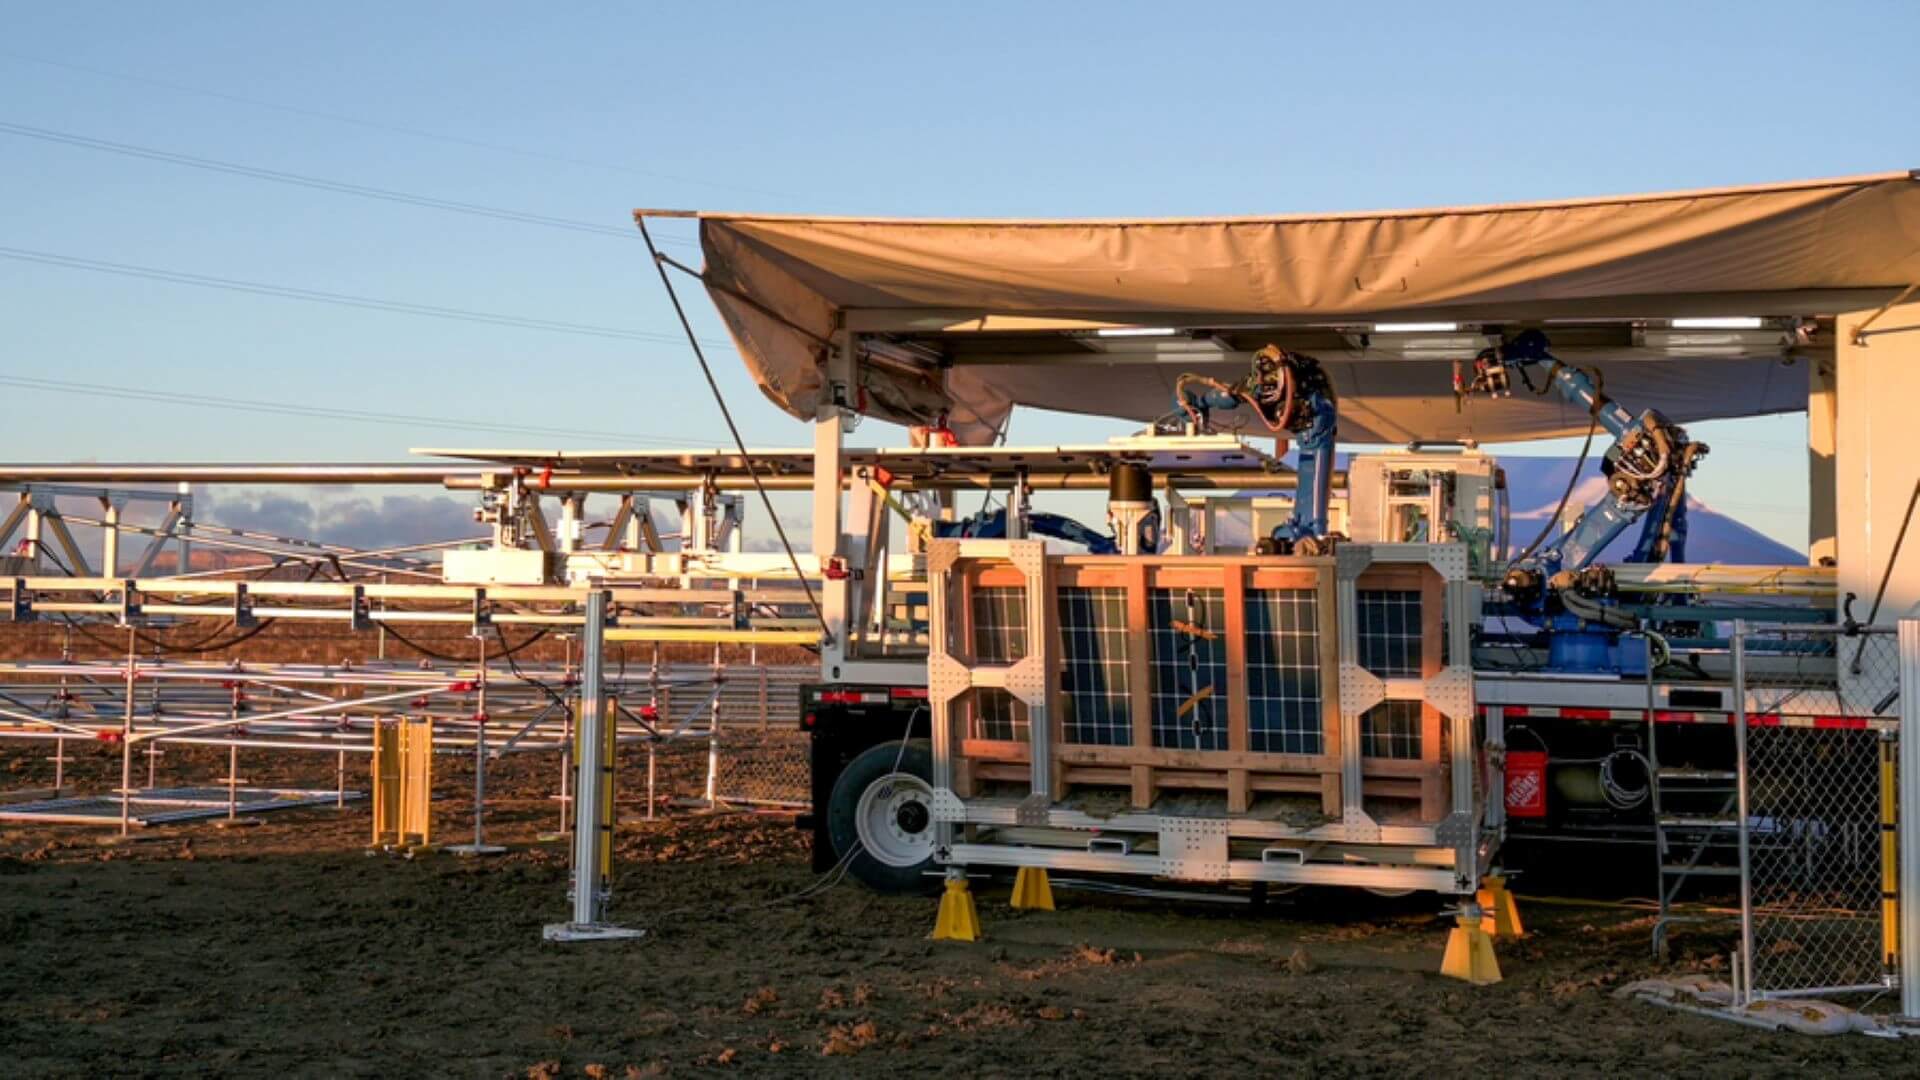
{"points": [[748, 747], [1818, 715]]}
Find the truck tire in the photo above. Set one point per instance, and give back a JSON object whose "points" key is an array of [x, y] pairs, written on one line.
{"points": [[883, 805]]}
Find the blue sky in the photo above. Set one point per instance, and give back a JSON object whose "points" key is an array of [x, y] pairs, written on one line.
{"points": [[585, 111]]}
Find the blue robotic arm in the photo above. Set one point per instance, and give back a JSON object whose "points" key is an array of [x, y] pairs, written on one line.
{"points": [[1292, 396], [993, 526], [1646, 468]]}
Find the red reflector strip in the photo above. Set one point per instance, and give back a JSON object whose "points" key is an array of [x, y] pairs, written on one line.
{"points": [[913, 693], [1681, 716], [853, 697]]}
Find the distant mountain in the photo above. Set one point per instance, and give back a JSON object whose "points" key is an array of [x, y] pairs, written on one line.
{"points": [[1534, 485]]}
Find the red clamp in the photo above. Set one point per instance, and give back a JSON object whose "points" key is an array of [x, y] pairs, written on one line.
{"points": [[460, 688], [649, 713], [109, 736], [546, 477], [480, 718]]}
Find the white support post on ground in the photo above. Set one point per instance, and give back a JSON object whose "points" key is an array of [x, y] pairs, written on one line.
{"points": [[1908, 844], [1745, 964], [590, 832], [479, 846]]}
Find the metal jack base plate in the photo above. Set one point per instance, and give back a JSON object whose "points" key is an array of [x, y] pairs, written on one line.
{"points": [[471, 850], [589, 932]]}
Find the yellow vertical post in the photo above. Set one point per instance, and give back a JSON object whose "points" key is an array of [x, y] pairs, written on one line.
{"points": [[416, 819], [402, 782], [607, 748], [1889, 858], [386, 781]]}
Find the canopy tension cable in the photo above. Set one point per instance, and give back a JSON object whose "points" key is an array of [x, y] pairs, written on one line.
{"points": [[753, 470]]}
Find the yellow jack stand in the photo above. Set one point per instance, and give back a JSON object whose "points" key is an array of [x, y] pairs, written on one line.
{"points": [[1470, 953], [957, 920], [1502, 918], [1031, 890]]}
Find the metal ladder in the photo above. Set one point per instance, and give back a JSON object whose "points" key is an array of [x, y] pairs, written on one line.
{"points": [[1684, 840]]}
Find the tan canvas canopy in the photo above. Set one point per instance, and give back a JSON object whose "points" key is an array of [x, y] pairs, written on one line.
{"points": [[979, 316]]}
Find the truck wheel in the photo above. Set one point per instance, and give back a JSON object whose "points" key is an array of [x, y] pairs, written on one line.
{"points": [[883, 803]]}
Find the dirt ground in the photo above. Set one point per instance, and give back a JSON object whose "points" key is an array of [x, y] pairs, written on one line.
{"points": [[286, 949]]}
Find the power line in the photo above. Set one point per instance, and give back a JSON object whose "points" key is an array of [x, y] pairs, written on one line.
{"points": [[287, 292], [320, 183], [375, 125], [282, 408]]}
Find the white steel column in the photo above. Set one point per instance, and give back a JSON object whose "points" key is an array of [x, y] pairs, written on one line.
{"points": [[827, 540], [110, 537], [1744, 977], [591, 831]]}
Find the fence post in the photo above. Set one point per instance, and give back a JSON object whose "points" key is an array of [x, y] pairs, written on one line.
{"points": [[1740, 784], [1908, 831]]}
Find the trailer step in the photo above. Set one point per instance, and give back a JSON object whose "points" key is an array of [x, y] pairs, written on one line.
{"points": [[1703, 871], [1678, 822], [1697, 774]]}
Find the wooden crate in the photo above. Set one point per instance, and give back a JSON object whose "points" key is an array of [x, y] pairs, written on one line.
{"points": [[973, 611]]}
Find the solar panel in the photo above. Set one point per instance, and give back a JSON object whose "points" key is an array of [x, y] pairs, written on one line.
{"points": [[1391, 729], [997, 714], [999, 624], [1283, 672], [1388, 627], [1093, 647], [1186, 663]]}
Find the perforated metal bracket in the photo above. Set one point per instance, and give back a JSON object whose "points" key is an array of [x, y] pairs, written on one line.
{"points": [[1349, 560], [1457, 832], [1360, 689], [947, 678], [1193, 849], [361, 614], [1359, 827], [947, 807], [1033, 810], [941, 555], [1449, 559], [1450, 690]]}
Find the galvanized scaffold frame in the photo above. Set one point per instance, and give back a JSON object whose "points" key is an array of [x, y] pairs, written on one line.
{"points": [[1446, 856]]}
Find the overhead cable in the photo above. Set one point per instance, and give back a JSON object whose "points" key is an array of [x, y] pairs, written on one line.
{"points": [[282, 408], [320, 183], [378, 125], [288, 292], [753, 471]]}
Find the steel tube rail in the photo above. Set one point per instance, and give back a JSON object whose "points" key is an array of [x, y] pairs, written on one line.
{"points": [[401, 591], [1207, 479], [256, 473], [288, 714]]}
